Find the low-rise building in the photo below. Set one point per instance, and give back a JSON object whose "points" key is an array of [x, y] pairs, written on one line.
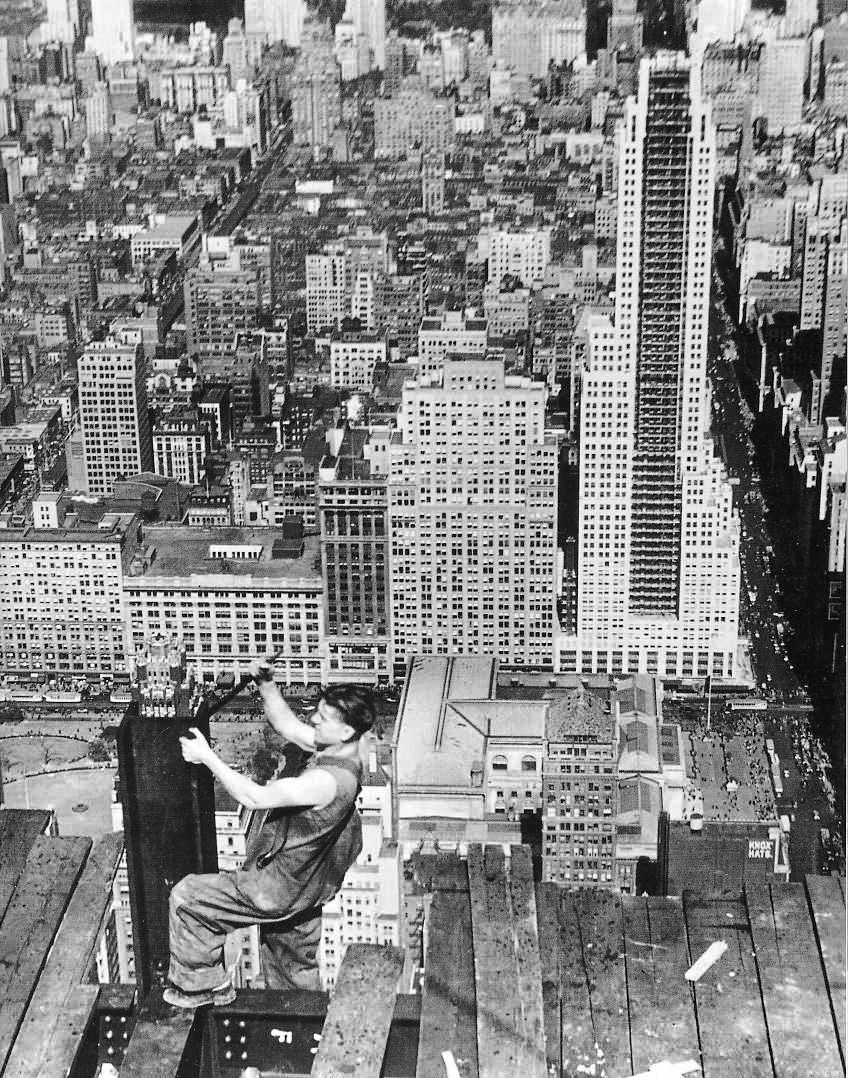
{"points": [[231, 594]]}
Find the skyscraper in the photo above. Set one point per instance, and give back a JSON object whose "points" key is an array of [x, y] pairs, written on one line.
{"points": [[472, 516], [113, 29], [316, 88], [113, 413], [658, 539]]}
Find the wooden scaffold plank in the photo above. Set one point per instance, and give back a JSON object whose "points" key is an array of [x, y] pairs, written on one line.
{"points": [[19, 828], [32, 919], [59, 1010], [356, 1030], [602, 936], [795, 999], [164, 1037], [828, 910], [662, 1013], [579, 1040], [547, 919], [727, 996], [510, 1028], [448, 1005]]}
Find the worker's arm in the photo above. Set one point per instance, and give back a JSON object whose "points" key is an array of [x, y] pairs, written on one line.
{"points": [[313, 787], [279, 714]]}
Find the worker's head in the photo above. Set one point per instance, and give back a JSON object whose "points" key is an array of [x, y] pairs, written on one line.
{"points": [[344, 714]]}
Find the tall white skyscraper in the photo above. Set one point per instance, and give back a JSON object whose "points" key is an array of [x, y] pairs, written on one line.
{"points": [[369, 19], [113, 29], [113, 413], [275, 20], [658, 565], [720, 20], [61, 21], [472, 516]]}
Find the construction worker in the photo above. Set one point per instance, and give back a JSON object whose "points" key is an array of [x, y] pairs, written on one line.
{"points": [[310, 836]]}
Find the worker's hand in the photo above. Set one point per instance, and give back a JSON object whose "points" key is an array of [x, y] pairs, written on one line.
{"points": [[196, 749], [262, 670]]}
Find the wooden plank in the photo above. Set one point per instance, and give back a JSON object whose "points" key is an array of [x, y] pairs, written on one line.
{"points": [[602, 935], [19, 828], [828, 910], [795, 1000], [522, 894], [356, 1029], [662, 1014], [449, 1004], [727, 997], [30, 925], [58, 1014], [509, 1039], [547, 920], [165, 1040], [579, 1040]]}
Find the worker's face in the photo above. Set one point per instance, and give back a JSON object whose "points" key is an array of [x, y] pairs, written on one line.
{"points": [[329, 725]]}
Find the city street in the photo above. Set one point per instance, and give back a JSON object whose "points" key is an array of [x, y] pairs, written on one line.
{"points": [[761, 613]]}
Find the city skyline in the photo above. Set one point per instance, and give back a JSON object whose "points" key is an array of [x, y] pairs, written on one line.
{"points": [[483, 369]]}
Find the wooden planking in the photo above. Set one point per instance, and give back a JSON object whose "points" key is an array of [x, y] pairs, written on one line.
{"points": [[19, 828], [448, 1005], [547, 920], [579, 1042], [510, 1037], [662, 1015], [522, 896], [602, 937], [59, 1011], [31, 922], [165, 1040], [795, 1000], [828, 912], [727, 997], [356, 1029]]}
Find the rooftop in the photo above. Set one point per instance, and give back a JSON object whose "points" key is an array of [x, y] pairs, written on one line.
{"points": [[183, 552]]}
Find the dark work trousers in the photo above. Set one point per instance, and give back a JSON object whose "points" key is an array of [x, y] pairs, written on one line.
{"points": [[297, 863], [205, 908]]}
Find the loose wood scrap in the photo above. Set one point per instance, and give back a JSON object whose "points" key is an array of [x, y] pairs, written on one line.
{"points": [[32, 919], [727, 997], [353, 1041], [449, 1005], [795, 1000], [828, 913], [61, 1004]]}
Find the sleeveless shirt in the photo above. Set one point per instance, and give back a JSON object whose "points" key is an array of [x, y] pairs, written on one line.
{"points": [[299, 856]]}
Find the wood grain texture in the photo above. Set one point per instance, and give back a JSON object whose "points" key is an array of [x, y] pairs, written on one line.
{"points": [[727, 997], [61, 1004], [795, 999], [353, 1041]]}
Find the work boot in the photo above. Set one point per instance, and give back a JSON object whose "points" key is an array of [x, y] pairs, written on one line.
{"points": [[215, 997]]}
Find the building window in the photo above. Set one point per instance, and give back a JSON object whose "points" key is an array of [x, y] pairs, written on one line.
{"points": [[528, 763], [499, 763]]}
